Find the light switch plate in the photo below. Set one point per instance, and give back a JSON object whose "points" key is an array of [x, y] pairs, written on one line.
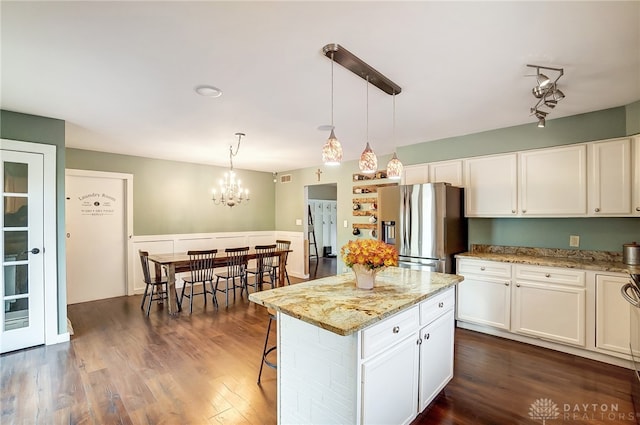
{"points": [[298, 222]]}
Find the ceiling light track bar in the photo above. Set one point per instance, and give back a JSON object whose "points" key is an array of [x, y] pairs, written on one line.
{"points": [[360, 68]]}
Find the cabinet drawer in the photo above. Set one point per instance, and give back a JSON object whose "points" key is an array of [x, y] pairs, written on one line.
{"points": [[551, 275], [390, 331], [484, 268], [436, 306]]}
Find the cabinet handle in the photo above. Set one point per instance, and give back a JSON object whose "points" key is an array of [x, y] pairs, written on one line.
{"points": [[419, 341], [426, 336], [597, 210], [482, 268], [547, 275], [524, 211], [637, 208], [506, 284], [513, 211], [440, 304], [396, 329], [518, 285]]}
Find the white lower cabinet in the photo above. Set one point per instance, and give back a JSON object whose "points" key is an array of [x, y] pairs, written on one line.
{"points": [[436, 348], [484, 297], [549, 303], [613, 314], [404, 366], [572, 310], [389, 390]]}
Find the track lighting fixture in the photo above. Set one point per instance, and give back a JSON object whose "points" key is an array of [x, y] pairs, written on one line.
{"points": [[546, 91]]}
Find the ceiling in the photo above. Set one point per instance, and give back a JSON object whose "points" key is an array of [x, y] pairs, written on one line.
{"points": [[122, 74]]}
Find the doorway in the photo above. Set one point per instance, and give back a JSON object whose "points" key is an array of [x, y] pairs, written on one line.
{"points": [[97, 220], [322, 229], [28, 281]]}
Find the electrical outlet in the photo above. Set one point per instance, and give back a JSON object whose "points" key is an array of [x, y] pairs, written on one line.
{"points": [[574, 241]]}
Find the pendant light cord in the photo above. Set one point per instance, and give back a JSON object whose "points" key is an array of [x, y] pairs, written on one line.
{"points": [[367, 83], [394, 122], [331, 90]]}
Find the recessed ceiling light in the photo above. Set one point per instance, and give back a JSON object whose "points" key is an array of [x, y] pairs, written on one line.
{"points": [[209, 91]]}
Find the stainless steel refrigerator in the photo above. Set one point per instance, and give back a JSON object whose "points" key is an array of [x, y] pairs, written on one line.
{"points": [[425, 222]]}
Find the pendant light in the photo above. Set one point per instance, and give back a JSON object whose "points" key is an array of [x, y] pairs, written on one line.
{"points": [[368, 159], [394, 166], [332, 149]]}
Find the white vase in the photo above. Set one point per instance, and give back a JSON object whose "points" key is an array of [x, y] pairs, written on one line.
{"points": [[365, 277]]}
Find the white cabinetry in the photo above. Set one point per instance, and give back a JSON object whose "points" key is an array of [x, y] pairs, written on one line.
{"points": [[436, 348], [407, 360], [415, 174], [610, 178], [613, 314], [389, 390], [635, 150], [446, 172], [549, 303], [491, 186], [553, 182], [484, 297]]}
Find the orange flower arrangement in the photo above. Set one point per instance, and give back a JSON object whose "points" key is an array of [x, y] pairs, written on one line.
{"points": [[371, 253]]}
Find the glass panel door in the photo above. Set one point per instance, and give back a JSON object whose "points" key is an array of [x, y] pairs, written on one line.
{"points": [[22, 317]]}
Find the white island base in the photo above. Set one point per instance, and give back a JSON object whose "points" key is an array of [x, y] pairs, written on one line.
{"points": [[402, 363]]}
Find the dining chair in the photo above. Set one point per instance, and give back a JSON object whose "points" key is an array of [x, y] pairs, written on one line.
{"points": [[200, 271], [282, 245], [158, 285], [265, 262], [236, 269]]}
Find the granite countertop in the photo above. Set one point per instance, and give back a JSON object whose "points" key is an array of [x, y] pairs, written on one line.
{"points": [[573, 259], [335, 304]]}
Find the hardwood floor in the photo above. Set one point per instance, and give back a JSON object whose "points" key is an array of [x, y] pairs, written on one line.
{"points": [[122, 367]]}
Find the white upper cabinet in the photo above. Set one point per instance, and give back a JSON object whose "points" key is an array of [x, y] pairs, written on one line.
{"points": [[635, 205], [491, 186], [610, 178], [553, 182], [415, 174], [447, 172]]}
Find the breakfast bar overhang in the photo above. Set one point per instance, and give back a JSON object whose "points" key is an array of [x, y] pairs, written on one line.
{"points": [[347, 355]]}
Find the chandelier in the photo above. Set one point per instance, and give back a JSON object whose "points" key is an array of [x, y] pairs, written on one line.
{"points": [[231, 190], [547, 93]]}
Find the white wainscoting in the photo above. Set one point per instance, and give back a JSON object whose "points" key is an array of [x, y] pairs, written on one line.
{"points": [[162, 244]]}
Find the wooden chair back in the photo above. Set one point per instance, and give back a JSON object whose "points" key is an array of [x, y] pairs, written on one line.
{"points": [[282, 245], [201, 264], [265, 258], [236, 261], [144, 260]]}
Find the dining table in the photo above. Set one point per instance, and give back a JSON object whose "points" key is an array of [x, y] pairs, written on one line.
{"points": [[179, 263]]}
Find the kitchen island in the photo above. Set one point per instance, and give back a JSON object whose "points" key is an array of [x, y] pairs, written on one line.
{"points": [[347, 355]]}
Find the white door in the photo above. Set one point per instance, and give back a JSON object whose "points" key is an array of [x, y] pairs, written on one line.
{"points": [[23, 315], [96, 236]]}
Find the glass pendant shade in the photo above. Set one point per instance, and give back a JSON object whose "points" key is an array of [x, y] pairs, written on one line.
{"points": [[368, 161], [394, 168], [332, 151]]}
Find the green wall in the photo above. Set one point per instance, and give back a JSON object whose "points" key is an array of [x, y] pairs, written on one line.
{"points": [[600, 234], [633, 118], [48, 131], [175, 197]]}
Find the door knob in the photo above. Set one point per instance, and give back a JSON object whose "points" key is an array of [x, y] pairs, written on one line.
{"points": [[33, 251]]}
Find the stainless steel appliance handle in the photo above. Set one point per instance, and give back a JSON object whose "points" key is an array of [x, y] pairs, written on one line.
{"points": [[415, 263], [630, 299]]}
